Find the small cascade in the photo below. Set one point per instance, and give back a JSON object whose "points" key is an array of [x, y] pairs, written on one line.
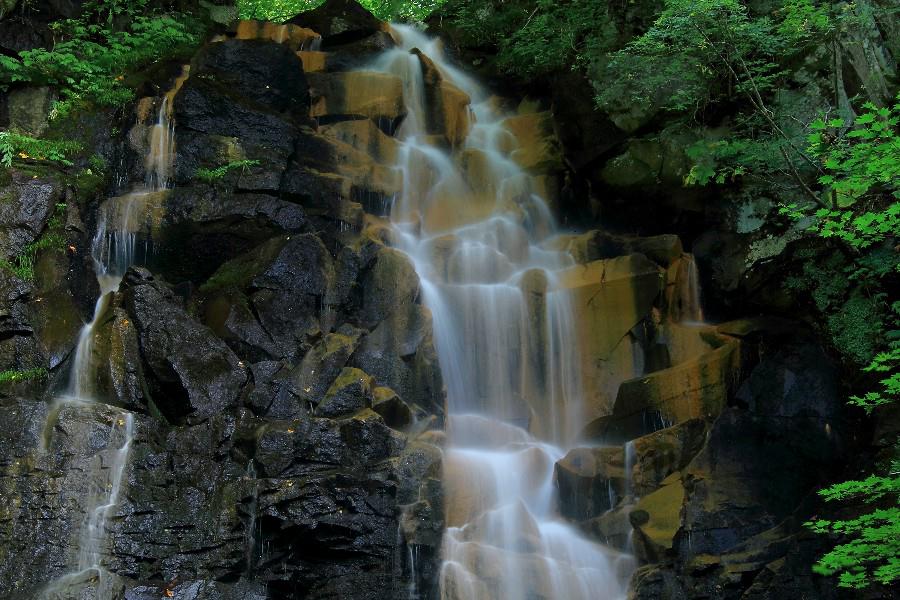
{"points": [[686, 306], [630, 460], [93, 536], [251, 535], [506, 337], [120, 222]]}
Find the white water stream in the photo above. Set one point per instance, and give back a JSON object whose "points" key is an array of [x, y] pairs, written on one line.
{"points": [[506, 339], [114, 249]]}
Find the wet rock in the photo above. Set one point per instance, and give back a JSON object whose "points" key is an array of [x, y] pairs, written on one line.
{"points": [[400, 354], [19, 347], [200, 590], [598, 244], [590, 481], [392, 409], [251, 91], [656, 520], [314, 444], [52, 458], [206, 106], [654, 582], [366, 137], [752, 473], [191, 373], [340, 21], [348, 394], [180, 518], [265, 73], [26, 205], [265, 302], [391, 285], [293, 36], [328, 176], [339, 96], [29, 109], [271, 395], [631, 284], [203, 228], [664, 452], [120, 377], [698, 388], [796, 381], [538, 149], [323, 363], [447, 107], [612, 527]]}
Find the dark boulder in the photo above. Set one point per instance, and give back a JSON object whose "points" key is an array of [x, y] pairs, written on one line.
{"points": [[291, 296], [351, 392], [271, 394], [340, 22], [263, 72], [796, 381], [180, 519], [204, 227], [26, 205], [243, 99], [191, 373], [751, 475]]}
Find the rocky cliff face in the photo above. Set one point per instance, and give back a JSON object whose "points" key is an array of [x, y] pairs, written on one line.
{"points": [[273, 351], [279, 364]]}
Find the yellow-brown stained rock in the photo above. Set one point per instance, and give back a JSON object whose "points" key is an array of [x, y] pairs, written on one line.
{"points": [[294, 36], [313, 61], [539, 150], [657, 518], [365, 136], [377, 96], [451, 113], [609, 298], [698, 388]]}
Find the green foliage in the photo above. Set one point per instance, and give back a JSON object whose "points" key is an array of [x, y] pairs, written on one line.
{"points": [[16, 145], [22, 266], [695, 52], [852, 319], [884, 362], [214, 175], [93, 53], [274, 10], [534, 38], [860, 164], [282, 10], [804, 20], [873, 549], [16, 376]]}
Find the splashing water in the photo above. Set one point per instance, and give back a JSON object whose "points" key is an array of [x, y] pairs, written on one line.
{"points": [[506, 337]]}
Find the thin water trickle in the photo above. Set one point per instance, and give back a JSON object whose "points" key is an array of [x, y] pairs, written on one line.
{"points": [[114, 249], [506, 337], [630, 460]]}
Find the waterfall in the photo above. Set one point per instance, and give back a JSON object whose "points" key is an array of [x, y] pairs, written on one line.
{"points": [[506, 338], [114, 249]]}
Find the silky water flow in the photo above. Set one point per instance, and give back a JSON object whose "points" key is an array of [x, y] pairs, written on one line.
{"points": [[121, 222], [507, 341]]}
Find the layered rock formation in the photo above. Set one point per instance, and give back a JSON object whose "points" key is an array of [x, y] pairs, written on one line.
{"points": [[279, 363], [272, 350]]}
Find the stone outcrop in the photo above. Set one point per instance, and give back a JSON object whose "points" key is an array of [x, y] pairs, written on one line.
{"points": [[280, 366], [273, 351]]}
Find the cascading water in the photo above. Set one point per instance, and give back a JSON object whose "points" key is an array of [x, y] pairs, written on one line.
{"points": [[506, 339], [114, 250]]}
